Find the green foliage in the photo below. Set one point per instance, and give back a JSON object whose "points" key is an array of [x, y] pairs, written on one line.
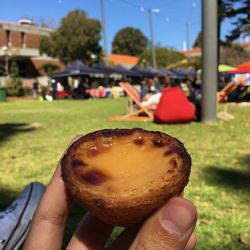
{"points": [[47, 46], [239, 12], [239, 15], [242, 28], [77, 38], [195, 62], [164, 57], [14, 84], [198, 40], [129, 41], [234, 55], [49, 68], [231, 54], [27, 91]]}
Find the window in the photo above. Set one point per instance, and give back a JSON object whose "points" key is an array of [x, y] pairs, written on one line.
{"points": [[23, 40], [8, 42]]}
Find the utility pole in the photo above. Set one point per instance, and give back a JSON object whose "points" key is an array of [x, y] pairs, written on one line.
{"points": [[152, 35], [209, 60], [104, 32], [187, 35]]}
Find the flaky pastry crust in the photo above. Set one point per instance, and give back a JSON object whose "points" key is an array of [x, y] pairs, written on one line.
{"points": [[123, 175]]}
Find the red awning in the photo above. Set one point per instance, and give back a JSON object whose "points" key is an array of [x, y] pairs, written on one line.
{"points": [[242, 68]]}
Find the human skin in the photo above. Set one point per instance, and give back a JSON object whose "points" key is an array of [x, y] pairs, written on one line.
{"points": [[170, 227]]}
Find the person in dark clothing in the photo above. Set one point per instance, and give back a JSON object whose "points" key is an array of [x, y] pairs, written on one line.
{"points": [[147, 89], [35, 89], [54, 89]]}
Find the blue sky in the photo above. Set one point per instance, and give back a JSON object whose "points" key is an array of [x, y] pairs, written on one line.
{"points": [[169, 24]]}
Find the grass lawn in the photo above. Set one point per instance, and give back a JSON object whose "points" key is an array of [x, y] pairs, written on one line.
{"points": [[33, 135]]}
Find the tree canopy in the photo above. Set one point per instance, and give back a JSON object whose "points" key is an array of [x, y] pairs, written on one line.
{"points": [[239, 11], [77, 38], [197, 42], [129, 41], [14, 84], [234, 55], [164, 57], [239, 15]]}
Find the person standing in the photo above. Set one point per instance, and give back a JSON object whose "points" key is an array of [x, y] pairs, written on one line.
{"points": [[35, 89], [54, 89]]}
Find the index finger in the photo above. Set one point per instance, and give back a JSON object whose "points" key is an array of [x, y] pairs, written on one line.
{"points": [[49, 221]]}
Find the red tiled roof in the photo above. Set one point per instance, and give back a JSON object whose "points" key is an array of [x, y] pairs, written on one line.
{"points": [[122, 59], [246, 46], [192, 51]]}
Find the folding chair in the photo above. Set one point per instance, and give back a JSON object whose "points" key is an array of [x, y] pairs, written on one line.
{"points": [[222, 96], [134, 114]]}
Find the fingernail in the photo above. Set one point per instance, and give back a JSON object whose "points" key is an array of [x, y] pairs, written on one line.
{"points": [[178, 216]]}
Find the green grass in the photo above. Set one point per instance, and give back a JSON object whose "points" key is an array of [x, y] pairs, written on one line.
{"points": [[33, 135]]}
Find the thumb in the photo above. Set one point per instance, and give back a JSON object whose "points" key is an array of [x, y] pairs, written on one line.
{"points": [[169, 228]]}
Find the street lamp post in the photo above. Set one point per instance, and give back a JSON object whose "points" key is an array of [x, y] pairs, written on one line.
{"points": [[187, 35], [104, 32], [150, 11], [7, 51]]}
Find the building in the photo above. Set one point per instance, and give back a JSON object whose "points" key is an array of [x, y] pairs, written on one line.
{"points": [[19, 42]]}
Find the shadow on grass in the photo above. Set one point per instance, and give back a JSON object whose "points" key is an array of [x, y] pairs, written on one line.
{"points": [[229, 177], [245, 162], [238, 179], [10, 129]]}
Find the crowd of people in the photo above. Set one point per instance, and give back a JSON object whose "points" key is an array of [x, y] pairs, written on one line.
{"points": [[149, 90]]}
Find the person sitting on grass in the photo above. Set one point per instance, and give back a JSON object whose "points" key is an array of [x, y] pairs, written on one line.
{"points": [[150, 95]]}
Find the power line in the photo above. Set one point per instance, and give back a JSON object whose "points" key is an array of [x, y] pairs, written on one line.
{"points": [[142, 8], [167, 19]]}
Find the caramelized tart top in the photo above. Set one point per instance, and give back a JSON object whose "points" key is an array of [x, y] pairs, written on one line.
{"points": [[122, 161]]}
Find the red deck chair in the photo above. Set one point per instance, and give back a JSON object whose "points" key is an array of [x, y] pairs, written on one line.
{"points": [[134, 114], [223, 94]]}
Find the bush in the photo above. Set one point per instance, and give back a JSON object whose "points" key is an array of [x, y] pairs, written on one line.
{"points": [[27, 91], [44, 90], [14, 84]]}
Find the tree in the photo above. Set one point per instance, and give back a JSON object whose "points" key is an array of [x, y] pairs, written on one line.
{"points": [[48, 68], [239, 11], [47, 46], [14, 84], [129, 41], [240, 15], [198, 40], [164, 57], [77, 38], [234, 55]]}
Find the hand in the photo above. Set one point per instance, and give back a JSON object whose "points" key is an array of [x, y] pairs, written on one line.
{"points": [[171, 227]]}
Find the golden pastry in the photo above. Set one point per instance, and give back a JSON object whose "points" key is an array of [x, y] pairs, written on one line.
{"points": [[122, 175]]}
